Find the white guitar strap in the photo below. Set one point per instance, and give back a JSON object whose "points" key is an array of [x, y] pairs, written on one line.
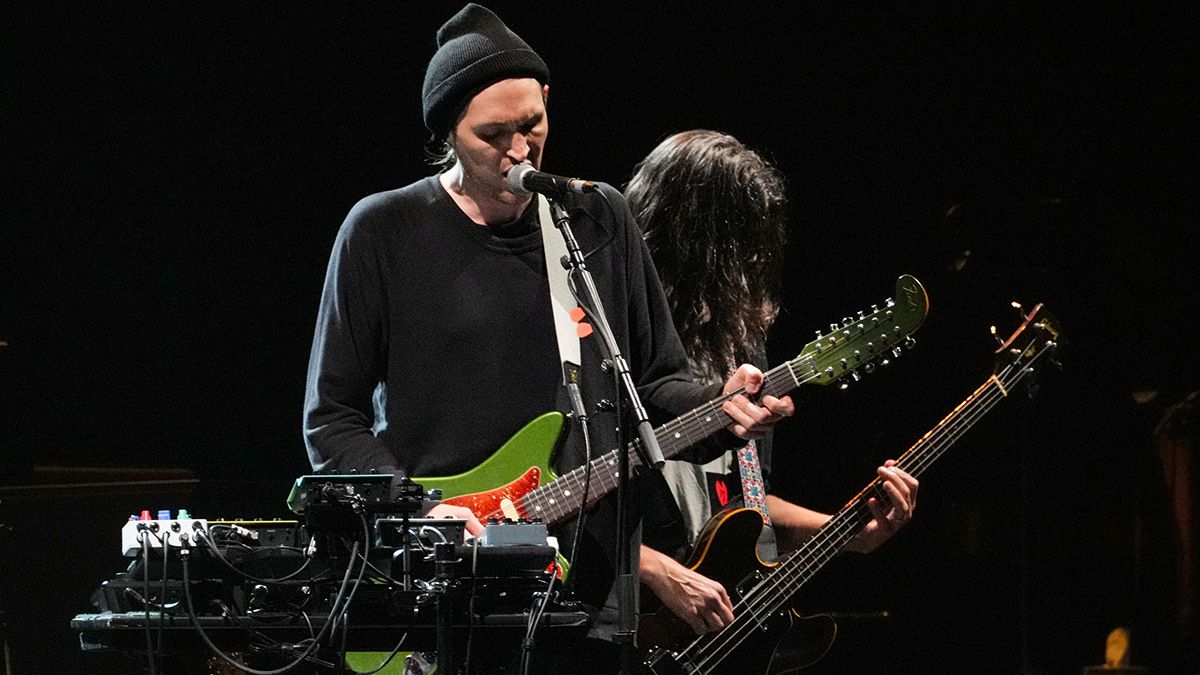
{"points": [[561, 300]]}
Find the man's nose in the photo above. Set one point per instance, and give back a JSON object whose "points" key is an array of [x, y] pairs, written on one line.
{"points": [[518, 150]]}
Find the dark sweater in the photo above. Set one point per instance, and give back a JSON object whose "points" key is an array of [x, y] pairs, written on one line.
{"points": [[435, 343]]}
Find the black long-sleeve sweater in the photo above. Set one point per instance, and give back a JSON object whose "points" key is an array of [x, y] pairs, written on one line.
{"points": [[435, 340]]}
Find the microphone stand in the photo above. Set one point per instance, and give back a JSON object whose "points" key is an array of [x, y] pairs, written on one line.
{"points": [[647, 445]]}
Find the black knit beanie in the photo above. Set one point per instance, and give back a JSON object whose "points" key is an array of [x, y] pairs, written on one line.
{"points": [[475, 49]]}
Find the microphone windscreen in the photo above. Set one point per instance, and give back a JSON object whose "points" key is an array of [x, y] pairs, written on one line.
{"points": [[516, 179]]}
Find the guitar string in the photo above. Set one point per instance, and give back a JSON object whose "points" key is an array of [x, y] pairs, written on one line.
{"points": [[758, 604], [846, 523], [841, 525], [860, 516], [530, 503], [680, 432]]}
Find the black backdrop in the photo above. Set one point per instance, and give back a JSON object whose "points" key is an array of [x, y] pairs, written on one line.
{"points": [[175, 177]]}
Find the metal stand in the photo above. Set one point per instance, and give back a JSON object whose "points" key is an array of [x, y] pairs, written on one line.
{"points": [[647, 445], [444, 561]]}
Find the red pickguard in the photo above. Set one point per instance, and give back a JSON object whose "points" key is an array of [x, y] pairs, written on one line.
{"points": [[487, 504]]}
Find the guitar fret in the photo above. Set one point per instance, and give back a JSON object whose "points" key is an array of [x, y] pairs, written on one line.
{"points": [[795, 570], [566, 495], [780, 584]]}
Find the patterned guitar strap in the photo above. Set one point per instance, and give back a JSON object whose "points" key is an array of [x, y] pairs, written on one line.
{"points": [[754, 493]]}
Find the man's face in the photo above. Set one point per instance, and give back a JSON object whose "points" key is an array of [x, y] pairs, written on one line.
{"points": [[503, 125]]}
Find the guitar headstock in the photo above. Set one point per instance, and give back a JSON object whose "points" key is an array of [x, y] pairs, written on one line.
{"points": [[871, 338], [1037, 339]]}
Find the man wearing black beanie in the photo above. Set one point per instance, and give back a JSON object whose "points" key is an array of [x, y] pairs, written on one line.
{"points": [[435, 339]]}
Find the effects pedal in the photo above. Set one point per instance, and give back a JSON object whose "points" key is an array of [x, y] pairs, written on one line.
{"points": [[176, 532]]}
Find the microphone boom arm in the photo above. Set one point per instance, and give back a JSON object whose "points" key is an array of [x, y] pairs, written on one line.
{"points": [[648, 450]]}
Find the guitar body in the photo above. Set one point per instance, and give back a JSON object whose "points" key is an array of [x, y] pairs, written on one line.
{"points": [[726, 552], [519, 466]]}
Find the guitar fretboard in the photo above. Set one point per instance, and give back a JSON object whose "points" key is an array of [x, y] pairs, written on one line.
{"points": [[839, 353], [782, 583], [562, 499]]}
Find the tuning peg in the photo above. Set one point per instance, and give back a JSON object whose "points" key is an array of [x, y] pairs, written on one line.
{"points": [[910, 342], [846, 321], [1020, 310], [861, 315], [874, 308], [843, 385], [995, 336], [855, 376], [869, 367], [896, 352]]}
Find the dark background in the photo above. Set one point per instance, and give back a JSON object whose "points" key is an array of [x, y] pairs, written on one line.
{"points": [[174, 179]]}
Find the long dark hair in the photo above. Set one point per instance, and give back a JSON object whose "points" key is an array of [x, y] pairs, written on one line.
{"points": [[714, 216]]}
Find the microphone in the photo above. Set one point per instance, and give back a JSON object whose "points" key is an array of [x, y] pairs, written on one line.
{"points": [[524, 180]]}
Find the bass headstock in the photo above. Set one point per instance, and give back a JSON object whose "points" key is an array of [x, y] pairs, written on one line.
{"points": [[1036, 341]]}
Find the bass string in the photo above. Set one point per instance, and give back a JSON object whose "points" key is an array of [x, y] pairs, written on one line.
{"points": [[766, 597], [844, 525]]}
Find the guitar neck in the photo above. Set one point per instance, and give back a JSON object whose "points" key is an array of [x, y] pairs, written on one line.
{"points": [[798, 567], [562, 499], [778, 586], [853, 344]]}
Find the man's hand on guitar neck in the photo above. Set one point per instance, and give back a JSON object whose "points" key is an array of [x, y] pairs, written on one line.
{"points": [[752, 419], [693, 597]]}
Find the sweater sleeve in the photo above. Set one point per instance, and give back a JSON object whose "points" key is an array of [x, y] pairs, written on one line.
{"points": [[348, 355]]}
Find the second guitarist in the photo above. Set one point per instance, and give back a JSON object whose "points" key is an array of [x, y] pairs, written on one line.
{"points": [[713, 214]]}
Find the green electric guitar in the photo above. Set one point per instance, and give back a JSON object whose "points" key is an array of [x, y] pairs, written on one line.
{"points": [[529, 488]]}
